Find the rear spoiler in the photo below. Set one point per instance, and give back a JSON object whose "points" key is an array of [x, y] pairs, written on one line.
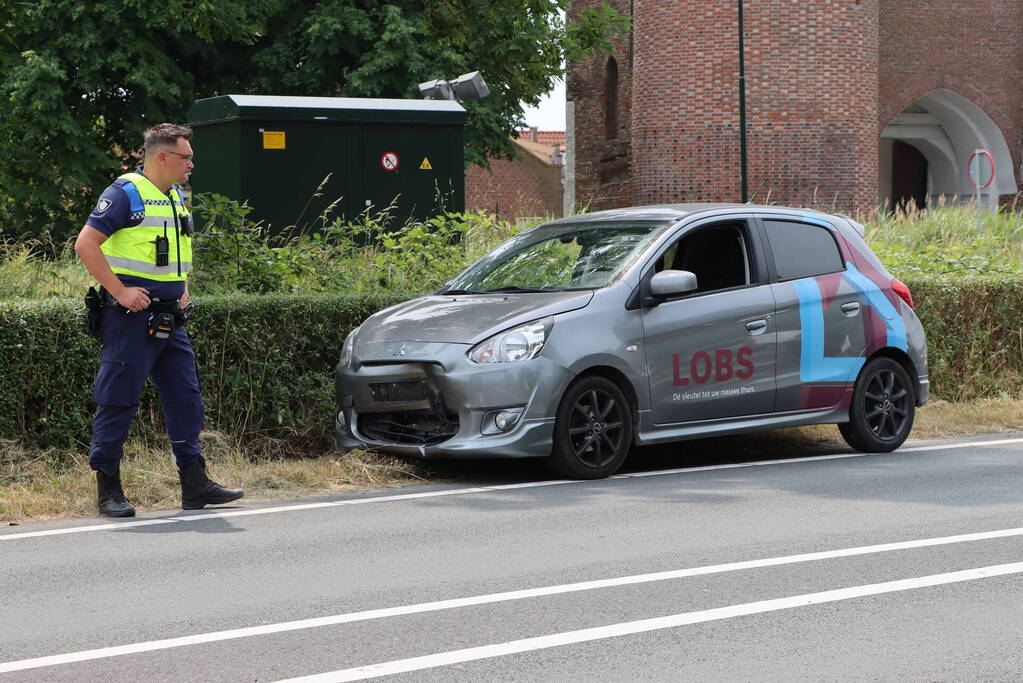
{"points": [[858, 227]]}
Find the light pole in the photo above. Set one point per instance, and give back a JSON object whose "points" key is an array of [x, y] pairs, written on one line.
{"points": [[743, 171]]}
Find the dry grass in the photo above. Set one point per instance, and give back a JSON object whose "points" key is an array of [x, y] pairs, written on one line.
{"points": [[940, 419], [936, 420], [58, 484]]}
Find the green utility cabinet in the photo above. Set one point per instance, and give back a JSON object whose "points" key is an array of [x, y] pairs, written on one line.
{"points": [[275, 152]]}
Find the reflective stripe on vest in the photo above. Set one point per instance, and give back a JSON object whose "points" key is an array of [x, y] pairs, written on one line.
{"points": [[119, 264], [132, 250]]}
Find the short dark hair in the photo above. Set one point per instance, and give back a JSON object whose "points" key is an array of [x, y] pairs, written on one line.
{"points": [[165, 135]]}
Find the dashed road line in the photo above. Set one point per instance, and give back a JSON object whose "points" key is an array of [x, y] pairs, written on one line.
{"points": [[436, 606], [647, 625]]}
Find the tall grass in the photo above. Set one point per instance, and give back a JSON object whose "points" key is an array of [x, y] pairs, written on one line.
{"points": [[368, 255], [40, 269], [949, 238]]}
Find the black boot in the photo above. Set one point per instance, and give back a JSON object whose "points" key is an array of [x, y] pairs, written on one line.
{"points": [[198, 490], [112, 502]]}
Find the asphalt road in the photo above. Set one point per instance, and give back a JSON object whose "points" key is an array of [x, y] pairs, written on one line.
{"points": [[747, 565]]}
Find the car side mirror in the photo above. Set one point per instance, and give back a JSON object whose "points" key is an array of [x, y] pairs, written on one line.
{"points": [[672, 282]]}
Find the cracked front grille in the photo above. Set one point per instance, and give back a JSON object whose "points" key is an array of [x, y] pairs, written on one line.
{"points": [[398, 392], [413, 427]]}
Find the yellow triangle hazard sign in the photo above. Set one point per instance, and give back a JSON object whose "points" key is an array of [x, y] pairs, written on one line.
{"points": [[425, 166]]}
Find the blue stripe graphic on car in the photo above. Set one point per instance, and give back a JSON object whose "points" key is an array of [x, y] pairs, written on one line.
{"points": [[814, 366], [893, 321]]}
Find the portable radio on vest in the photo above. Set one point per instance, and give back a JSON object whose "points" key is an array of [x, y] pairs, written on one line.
{"points": [[162, 248]]}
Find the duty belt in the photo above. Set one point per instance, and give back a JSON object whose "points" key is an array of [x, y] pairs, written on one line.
{"points": [[156, 305], [164, 306]]}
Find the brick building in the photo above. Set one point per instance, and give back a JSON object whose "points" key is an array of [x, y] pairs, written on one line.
{"points": [[527, 187], [850, 103]]}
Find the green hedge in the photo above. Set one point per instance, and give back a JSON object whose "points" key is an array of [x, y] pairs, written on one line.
{"points": [[974, 329], [266, 362]]}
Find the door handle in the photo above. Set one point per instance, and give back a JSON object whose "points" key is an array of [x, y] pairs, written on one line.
{"points": [[756, 327], [851, 308]]}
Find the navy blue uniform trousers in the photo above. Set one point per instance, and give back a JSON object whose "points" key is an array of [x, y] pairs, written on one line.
{"points": [[129, 356]]}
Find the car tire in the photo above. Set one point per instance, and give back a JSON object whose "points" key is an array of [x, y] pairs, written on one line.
{"points": [[883, 408], [592, 431]]}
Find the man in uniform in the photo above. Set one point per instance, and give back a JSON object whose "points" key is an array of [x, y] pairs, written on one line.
{"points": [[137, 244]]}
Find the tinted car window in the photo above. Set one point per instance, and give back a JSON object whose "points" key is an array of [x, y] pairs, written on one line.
{"points": [[802, 250], [717, 255]]}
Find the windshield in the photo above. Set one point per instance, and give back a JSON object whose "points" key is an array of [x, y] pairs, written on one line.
{"points": [[560, 257]]}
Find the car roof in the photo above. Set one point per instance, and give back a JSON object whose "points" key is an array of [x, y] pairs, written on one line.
{"points": [[671, 212]]}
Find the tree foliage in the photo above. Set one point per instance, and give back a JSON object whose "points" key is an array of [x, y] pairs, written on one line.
{"points": [[81, 79]]}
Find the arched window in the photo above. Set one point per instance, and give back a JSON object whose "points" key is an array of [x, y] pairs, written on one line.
{"points": [[611, 99]]}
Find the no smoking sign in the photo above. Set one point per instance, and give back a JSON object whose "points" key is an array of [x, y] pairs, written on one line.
{"points": [[389, 161]]}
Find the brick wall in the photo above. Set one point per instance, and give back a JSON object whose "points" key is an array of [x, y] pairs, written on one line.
{"points": [[515, 188], [811, 87], [971, 47], [823, 78], [603, 166]]}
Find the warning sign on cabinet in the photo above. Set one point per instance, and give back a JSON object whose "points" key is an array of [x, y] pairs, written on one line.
{"points": [[273, 139]]}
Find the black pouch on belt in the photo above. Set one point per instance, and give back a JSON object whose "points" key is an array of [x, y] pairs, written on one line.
{"points": [[161, 325], [162, 316], [94, 310]]}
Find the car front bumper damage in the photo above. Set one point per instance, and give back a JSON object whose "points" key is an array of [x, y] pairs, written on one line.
{"points": [[434, 402]]}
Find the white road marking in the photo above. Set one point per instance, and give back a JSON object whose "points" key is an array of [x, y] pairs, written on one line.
{"points": [[647, 625], [113, 526], [333, 620], [920, 449]]}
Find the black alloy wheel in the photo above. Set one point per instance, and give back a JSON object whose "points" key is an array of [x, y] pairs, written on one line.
{"points": [[593, 430], [883, 408]]}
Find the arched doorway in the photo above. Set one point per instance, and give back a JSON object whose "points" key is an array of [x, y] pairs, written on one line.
{"points": [[924, 150]]}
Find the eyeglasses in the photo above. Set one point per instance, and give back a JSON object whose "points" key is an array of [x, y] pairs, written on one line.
{"points": [[186, 157]]}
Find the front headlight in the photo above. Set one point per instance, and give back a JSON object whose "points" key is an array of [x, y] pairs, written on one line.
{"points": [[519, 343], [346, 350]]}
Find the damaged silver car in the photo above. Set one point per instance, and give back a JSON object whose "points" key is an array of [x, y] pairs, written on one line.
{"points": [[584, 336]]}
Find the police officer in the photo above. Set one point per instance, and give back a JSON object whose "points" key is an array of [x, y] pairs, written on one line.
{"points": [[137, 244]]}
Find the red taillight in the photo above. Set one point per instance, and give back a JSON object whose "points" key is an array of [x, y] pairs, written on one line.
{"points": [[903, 291]]}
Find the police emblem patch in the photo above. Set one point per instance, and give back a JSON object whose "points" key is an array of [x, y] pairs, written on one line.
{"points": [[102, 205]]}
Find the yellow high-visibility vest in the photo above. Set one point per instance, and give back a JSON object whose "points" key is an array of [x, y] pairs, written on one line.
{"points": [[132, 250]]}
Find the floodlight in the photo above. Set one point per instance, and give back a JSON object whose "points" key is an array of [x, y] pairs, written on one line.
{"points": [[470, 86], [466, 87], [436, 90]]}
